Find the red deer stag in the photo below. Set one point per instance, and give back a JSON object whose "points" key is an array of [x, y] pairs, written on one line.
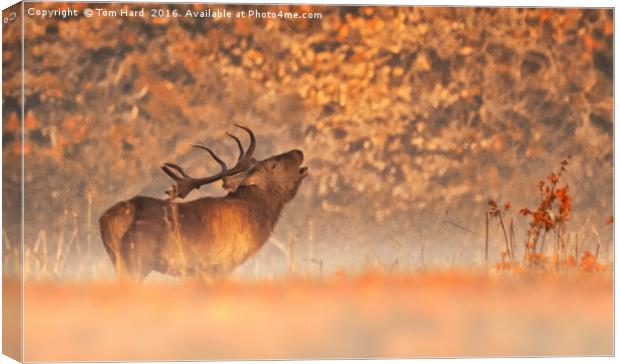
{"points": [[207, 237]]}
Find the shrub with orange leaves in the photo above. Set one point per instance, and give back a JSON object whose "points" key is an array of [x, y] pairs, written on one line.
{"points": [[551, 215], [552, 212]]}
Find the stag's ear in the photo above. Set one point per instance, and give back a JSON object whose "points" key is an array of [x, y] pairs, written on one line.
{"points": [[245, 178], [231, 183]]}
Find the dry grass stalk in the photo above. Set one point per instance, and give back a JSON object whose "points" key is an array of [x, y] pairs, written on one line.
{"points": [[486, 237]]}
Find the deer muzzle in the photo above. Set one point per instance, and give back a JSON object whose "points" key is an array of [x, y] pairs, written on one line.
{"points": [[299, 158]]}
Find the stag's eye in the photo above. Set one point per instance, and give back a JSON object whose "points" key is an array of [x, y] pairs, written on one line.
{"points": [[273, 166]]}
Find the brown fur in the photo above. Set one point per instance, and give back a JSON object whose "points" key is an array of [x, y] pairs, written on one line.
{"points": [[208, 237]]}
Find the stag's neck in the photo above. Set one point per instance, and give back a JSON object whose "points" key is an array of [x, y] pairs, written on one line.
{"points": [[262, 202]]}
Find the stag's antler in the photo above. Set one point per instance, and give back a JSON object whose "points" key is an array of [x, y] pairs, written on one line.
{"points": [[185, 183]]}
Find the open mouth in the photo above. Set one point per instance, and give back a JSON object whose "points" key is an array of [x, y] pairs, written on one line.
{"points": [[303, 171]]}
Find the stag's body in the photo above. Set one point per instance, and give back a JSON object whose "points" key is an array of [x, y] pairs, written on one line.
{"points": [[209, 237]]}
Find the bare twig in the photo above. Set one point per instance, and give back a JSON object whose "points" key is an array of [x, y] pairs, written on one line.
{"points": [[461, 227]]}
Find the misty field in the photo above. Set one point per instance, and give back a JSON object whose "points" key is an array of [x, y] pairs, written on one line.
{"points": [[370, 316]]}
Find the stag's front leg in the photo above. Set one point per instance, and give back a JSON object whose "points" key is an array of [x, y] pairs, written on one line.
{"points": [[134, 270], [137, 255]]}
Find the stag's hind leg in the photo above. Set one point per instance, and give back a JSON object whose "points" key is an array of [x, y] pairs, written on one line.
{"points": [[114, 224]]}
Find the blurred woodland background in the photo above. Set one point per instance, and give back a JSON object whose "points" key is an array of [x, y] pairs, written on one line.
{"points": [[410, 120]]}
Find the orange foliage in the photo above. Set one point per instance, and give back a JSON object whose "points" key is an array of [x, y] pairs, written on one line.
{"points": [[588, 42], [27, 148], [255, 56], [76, 128], [588, 263], [539, 262], [343, 32], [586, 56], [546, 14], [243, 26], [608, 27], [494, 209], [31, 121], [12, 123]]}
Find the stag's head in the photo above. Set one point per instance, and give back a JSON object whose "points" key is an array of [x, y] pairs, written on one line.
{"points": [[280, 175]]}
